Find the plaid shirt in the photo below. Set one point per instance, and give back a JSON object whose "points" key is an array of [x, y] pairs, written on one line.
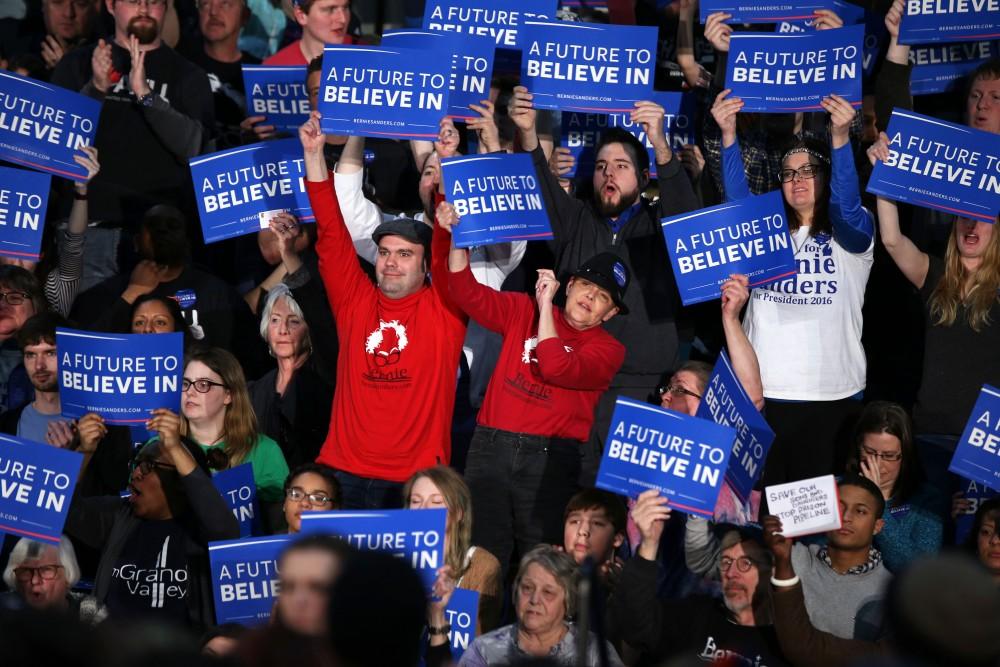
{"points": [[874, 559]]}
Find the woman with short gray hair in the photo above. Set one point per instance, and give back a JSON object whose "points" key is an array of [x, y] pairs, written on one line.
{"points": [[544, 602], [292, 401]]}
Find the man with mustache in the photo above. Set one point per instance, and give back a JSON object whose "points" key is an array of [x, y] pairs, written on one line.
{"points": [[735, 630], [156, 104], [218, 53]]}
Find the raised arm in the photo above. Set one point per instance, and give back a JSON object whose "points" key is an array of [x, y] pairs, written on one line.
{"points": [[735, 293], [913, 263], [734, 178], [853, 226], [361, 214]]}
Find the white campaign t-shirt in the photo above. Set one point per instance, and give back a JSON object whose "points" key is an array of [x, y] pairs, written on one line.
{"points": [[806, 330]]}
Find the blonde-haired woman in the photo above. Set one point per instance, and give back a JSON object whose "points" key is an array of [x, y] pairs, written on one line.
{"points": [[962, 327], [218, 417], [474, 568]]}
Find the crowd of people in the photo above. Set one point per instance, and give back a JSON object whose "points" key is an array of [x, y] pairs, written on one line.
{"points": [[365, 362]]}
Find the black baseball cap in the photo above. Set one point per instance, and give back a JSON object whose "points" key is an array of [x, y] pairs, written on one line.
{"points": [[607, 271], [408, 228]]}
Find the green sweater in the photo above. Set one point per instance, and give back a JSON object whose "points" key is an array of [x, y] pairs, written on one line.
{"points": [[269, 467]]}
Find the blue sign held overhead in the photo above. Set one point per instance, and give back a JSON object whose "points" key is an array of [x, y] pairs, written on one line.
{"points": [[683, 457], [726, 402], [122, 377], [776, 73], [587, 66], [238, 489], [747, 236], [24, 197], [581, 132], [497, 197], [977, 456], [239, 190], [417, 536], [43, 126], [383, 92], [279, 93], [245, 578], [928, 21], [486, 18], [939, 68], [940, 165], [744, 11], [36, 488], [471, 60]]}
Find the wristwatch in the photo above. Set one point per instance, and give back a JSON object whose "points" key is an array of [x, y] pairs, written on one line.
{"points": [[147, 99], [443, 630]]}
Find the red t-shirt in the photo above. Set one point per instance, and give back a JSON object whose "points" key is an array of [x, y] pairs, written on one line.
{"points": [[292, 54], [549, 388], [397, 363]]}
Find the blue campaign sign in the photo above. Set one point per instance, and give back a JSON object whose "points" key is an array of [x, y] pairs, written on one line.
{"points": [[279, 93], [726, 402], [748, 236], [24, 196], [487, 18], [745, 11], [42, 126], [776, 73], [497, 197], [417, 536], [239, 491], [582, 131], [471, 60], [587, 66], [940, 68], [381, 91], [36, 487], [848, 13], [239, 190], [940, 165], [976, 456], [683, 457], [927, 21], [122, 377], [976, 494], [461, 614], [245, 578]]}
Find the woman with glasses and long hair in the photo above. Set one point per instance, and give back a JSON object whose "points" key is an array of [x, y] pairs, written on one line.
{"points": [[806, 329], [961, 295], [914, 510], [218, 417], [161, 530]]}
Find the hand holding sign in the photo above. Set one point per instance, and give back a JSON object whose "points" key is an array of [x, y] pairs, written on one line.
{"points": [[441, 593], [650, 513], [312, 136], [92, 430], [827, 19], [879, 151], [60, 434], [893, 17], [89, 162], [735, 294], [717, 31], [724, 111], [255, 125], [448, 138], [841, 116], [692, 160], [521, 109], [650, 116], [779, 545], [485, 127]]}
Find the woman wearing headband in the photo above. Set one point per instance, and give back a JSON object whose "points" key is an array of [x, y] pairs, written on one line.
{"points": [[806, 329]]}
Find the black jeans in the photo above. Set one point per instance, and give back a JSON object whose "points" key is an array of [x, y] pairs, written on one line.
{"points": [[520, 486]]}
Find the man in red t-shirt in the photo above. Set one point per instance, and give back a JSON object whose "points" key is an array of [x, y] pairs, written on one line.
{"points": [[555, 363], [399, 346]]}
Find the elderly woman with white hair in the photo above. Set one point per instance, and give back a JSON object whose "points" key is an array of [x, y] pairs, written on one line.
{"points": [[292, 401], [41, 575], [545, 592]]}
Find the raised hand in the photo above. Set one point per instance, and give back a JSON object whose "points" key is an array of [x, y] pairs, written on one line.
{"points": [[735, 293], [717, 31], [546, 287], [485, 126], [724, 111], [446, 216], [826, 19], [841, 116], [650, 513]]}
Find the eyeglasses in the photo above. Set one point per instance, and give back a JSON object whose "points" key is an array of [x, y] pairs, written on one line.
{"points": [[892, 457], [148, 3], [298, 495], [147, 465], [805, 172], [676, 390], [46, 572], [743, 563], [201, 385], [13, 298]]}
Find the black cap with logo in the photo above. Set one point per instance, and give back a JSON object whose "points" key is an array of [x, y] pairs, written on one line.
{"points": [[607, 271]]}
